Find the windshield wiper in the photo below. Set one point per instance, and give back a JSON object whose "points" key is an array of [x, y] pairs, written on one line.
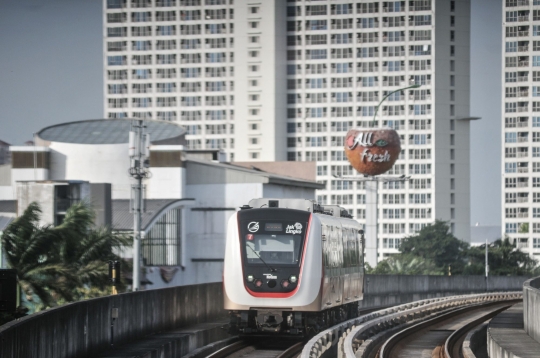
{"points": [[269, 267]]}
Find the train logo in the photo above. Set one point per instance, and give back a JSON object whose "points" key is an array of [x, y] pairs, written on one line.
{"points": [[294, 229], [253, 226]]}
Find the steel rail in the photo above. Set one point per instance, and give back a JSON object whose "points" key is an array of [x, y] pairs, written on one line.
{"points": [[355, 331], [401, 335], [450, 342]]}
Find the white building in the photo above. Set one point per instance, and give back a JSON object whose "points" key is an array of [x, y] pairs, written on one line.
{"points": [[521, 124], [281, 80]]}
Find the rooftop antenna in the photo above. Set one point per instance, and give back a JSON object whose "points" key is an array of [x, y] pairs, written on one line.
{"points": [[139, 152]]}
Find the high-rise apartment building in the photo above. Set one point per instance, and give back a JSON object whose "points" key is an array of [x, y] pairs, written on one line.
{"points": [[270, 80], [521, 124]]}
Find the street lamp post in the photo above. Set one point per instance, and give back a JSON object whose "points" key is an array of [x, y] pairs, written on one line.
{"points": [[388, 95]]}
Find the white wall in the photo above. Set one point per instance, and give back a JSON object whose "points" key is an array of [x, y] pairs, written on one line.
{"points": [[283, 191], [166, 183], [104, 163]]}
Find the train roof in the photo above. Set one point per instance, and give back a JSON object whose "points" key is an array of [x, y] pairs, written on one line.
{"points": [[299, 204]]}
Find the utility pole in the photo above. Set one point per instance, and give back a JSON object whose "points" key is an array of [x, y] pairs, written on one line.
{"points": [[487, 265], [139, 152]]}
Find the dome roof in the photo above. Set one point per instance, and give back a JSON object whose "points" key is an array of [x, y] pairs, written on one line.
{"points": [[107, 131]]}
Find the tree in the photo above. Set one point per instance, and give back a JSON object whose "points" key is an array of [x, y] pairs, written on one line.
{"points": [[503, 258], [406, 264], [435, 243], [63, 263], [87, 250], [32, 251]]}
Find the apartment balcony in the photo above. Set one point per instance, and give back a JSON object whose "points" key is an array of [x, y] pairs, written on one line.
{"points": [[191, 32], [426, 142], [523, 109], [375, 25], [420, 7], [523, 64], [523, 215], [523, 184], [523, 18], [523, 139], [523, 48], [394, 24], [522, 245], [371, 84], [393, 113], [420, 98], [422, 113], [523, 3], [394, 54], [521, 199], [523, 170], [418, 68], [523, 124], [523, 33], [522, 154], [523, 78], [523, 93]]}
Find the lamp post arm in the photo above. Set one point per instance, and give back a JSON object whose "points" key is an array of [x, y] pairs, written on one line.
{"points": [[388, 95]]}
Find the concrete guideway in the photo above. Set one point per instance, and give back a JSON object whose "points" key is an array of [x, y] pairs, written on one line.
{"points": [[342, 337]]}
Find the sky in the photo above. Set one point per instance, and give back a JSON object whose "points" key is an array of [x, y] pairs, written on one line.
{"points": [[51, 63]]}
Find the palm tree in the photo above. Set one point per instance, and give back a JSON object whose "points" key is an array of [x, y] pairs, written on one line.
{"points": [[32, 251], [61, 264], [87, 249]]}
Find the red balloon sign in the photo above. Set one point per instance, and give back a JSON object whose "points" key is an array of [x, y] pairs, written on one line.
{"points": [[372, 151]]}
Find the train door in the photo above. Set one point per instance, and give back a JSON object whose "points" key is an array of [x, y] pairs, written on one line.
{"points": [[327, 258], [360, 254], [347, 272]]}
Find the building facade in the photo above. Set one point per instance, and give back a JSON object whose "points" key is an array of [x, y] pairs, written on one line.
{"points": [[521, 124], [280, 80]]}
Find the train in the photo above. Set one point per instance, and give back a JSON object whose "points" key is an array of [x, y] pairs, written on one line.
{"points": [[292, 267]]}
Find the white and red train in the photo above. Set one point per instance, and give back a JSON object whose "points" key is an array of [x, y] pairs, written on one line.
{"points": [[292, 267]]}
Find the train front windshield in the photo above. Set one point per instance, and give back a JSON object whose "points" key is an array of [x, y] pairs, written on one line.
{"points": [[274, 249], [273, 237]]}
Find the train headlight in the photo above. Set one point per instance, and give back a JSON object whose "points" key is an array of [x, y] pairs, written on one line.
{"points": [[293, 279], [250, 278], [258, 283], [285, 283]]}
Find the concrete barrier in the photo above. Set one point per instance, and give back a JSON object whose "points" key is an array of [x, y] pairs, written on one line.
{"points": [[86, 328], [531, 308], [386, 290]]}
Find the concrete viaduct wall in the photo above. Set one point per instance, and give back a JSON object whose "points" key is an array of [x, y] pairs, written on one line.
{"points": [[83, 329], [531, 308]]}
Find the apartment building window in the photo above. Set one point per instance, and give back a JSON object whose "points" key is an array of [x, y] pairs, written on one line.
{"points": [[166, 87], [316, 25], [141, 3], [167, 30], [166, 45], [341, 39], [116, 31], [452, 20], [420, 20], [141, 16], [316, 10], [341, 9], [116, 18], [253, 25], [116, 60], [536, 30], [116, 4], [367, 23], [165, 15], [294, 11]]}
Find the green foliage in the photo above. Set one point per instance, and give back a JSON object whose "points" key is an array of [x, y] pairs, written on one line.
{"points": [[406, 264], [503, 259], [435, 243], [60, 264], [434, 249]]}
